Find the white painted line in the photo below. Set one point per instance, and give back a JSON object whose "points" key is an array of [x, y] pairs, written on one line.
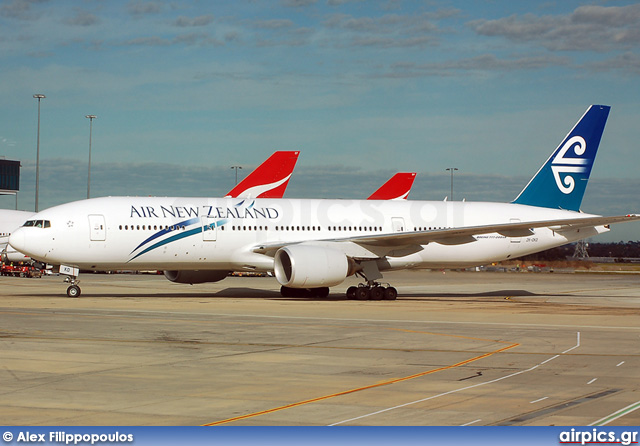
{"points": [[538, 400], [592, 381], [471, 422], [451, 391], [550, 359], [617, 414], [620, 364], [575, 346]]}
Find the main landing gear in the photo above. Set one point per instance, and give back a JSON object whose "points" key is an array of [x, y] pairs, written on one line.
{"points": [[73, 290], [373, 291]]}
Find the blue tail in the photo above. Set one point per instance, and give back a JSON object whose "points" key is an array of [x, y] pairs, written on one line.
{"points": [[562, 180]]}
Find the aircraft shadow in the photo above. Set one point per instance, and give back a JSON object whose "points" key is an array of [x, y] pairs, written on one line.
{"points": [[254, 293]]}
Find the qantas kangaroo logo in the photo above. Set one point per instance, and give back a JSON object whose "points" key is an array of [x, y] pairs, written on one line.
{"points": [[567, 166]]}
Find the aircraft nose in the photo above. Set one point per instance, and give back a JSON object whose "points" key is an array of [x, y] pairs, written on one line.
{"points": [[17, 240]]}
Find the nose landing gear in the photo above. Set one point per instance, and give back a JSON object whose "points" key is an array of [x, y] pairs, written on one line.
{"points": [[73, 290]]}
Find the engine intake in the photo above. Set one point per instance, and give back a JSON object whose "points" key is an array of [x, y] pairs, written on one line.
{"points": [[192, 277], [303, 266]]}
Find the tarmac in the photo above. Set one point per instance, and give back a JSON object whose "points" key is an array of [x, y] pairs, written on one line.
{"points": [[456, 348]]}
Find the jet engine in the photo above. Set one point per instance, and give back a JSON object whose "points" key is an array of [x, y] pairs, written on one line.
{"points": [[192, 277], [303, 266]]}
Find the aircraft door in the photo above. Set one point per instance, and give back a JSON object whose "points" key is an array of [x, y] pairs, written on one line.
{"points": [[97, 228], [209, 230], [397, 223]]}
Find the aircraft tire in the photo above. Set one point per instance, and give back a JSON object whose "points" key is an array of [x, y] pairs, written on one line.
{"points": [[377, 293], [362, 293], [351, 292], [73, 291], [322, 292], [390, 293]]}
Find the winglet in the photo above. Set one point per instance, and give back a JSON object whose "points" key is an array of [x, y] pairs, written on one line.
{"points": [[562, 180], [269, 179], [396, 188]]}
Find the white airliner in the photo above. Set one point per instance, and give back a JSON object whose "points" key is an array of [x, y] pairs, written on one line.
{"points": [[312, 245], [10, 221]]}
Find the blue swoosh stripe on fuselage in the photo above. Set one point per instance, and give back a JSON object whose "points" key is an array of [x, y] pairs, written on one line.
{"points": [[180, 236], [165, 231], [168, 240]]}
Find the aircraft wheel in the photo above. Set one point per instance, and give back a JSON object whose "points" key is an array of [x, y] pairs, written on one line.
{"points": [[377, 293], [322, 292], [390, 293], [73, 291], [351, 292], [285, 291], [362, 293]]}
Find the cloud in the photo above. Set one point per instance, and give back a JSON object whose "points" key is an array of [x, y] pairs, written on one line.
{"points": [[627, 62], [483, 62], [386, 31], [587, 28], [341, 2], [138, 8], [297, 3], [273, 23], [202, 20], [83, 18], [21, 9]]}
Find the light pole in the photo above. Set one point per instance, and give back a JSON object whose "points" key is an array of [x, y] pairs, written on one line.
{"points": [[452, 169], [236, 168], [39, 97], [91, 118]]}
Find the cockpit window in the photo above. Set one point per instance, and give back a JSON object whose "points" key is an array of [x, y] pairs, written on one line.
{"points": [[38, 223]]}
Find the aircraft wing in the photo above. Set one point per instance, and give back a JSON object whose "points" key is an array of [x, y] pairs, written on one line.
{"points": [[461, 235]]}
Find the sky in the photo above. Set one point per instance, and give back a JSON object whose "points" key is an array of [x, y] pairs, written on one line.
{"points": [[183, 90]]}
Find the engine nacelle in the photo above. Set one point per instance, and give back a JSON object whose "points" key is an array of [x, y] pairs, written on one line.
{"points": [[192, 277], [9, 254], [303, 266]]}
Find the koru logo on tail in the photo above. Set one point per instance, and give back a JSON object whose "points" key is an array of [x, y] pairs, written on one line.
{"points": [[567, 166]]}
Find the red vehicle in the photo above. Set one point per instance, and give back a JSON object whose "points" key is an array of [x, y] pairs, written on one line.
{"points": [[20, 271]]}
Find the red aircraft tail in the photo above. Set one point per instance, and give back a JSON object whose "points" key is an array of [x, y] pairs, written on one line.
{"points": [[269, 179], [397, 188]]}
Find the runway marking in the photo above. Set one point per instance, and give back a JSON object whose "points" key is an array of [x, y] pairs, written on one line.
{"points": [[538, 400], [592, 381], [617, 414], [558, 407], [457, 390], [359, 389], [471, 422]]}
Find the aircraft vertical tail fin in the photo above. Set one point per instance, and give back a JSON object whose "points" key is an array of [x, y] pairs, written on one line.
{"points": [[396, 188], [561, 181], [269, 179]]}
